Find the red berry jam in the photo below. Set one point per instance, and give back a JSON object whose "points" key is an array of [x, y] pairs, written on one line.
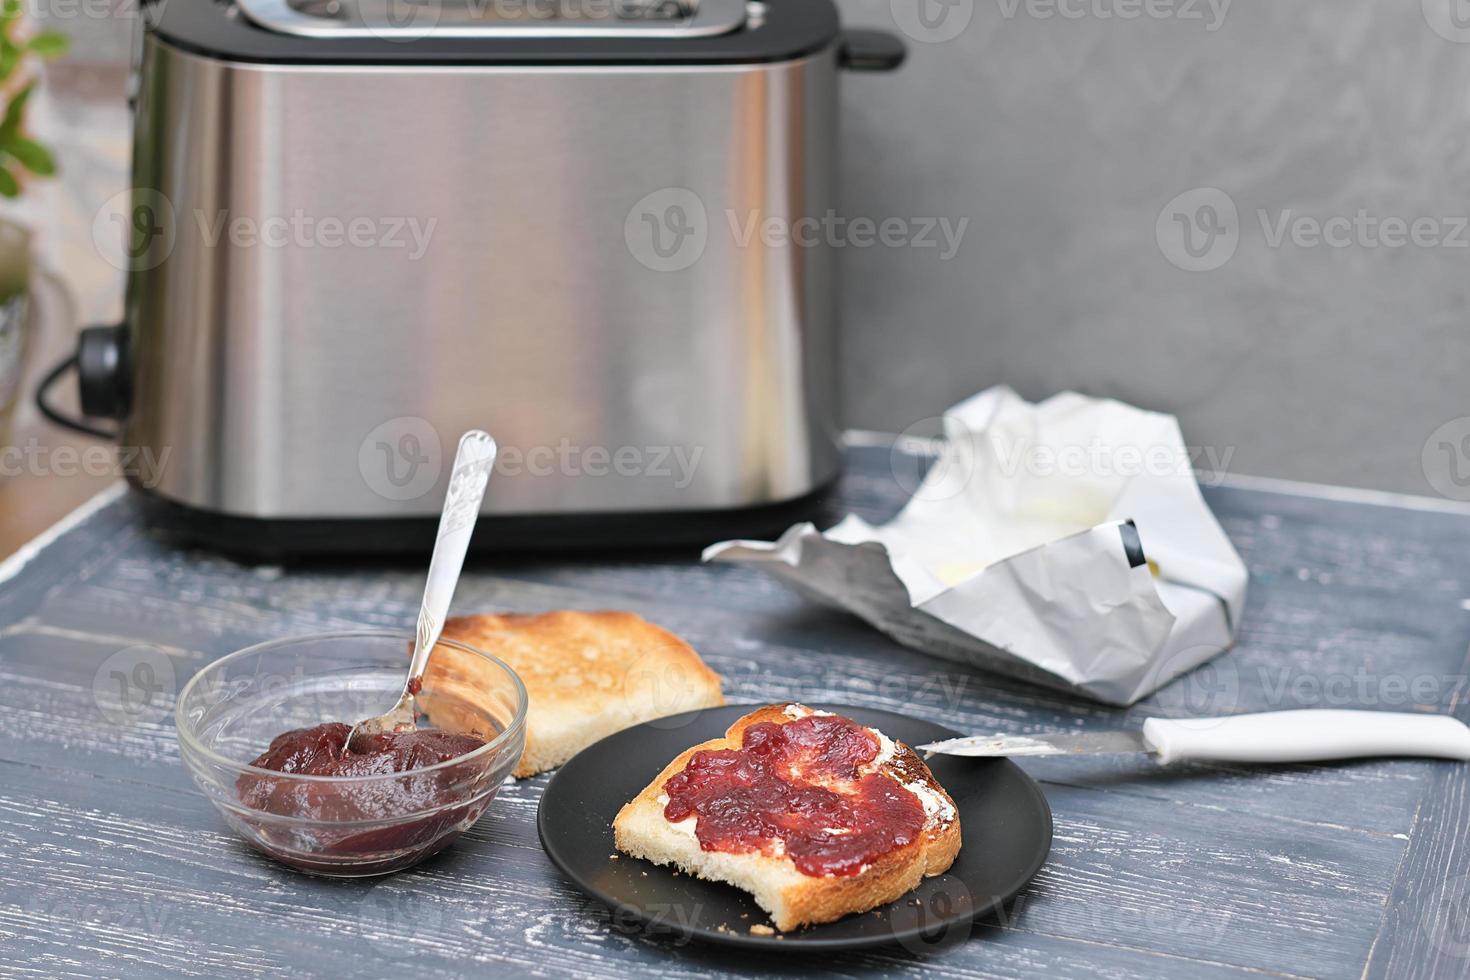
{"points": [[796, 789], [365, 823], [323, 751]]}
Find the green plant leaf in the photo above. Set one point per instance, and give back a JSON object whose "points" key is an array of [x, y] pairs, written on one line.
{"points": [[9, 186], [14, 113], [9, 58], [48, 44], [32, 155], [9, 10]]}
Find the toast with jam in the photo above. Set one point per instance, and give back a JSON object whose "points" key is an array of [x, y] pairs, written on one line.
{"points": [[587, 675], [815, 815]]}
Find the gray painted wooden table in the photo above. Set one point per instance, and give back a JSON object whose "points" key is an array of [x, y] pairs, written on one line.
{"points": [[111, 864]]}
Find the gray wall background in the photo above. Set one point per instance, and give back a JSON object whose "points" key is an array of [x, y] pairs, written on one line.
{"points": [[1061, 129], [1063, 138]]}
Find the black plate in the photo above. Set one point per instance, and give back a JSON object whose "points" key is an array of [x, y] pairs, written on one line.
{"points": [[1004, 819]]}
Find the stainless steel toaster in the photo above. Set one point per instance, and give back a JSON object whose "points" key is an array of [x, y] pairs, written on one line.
{"points": [[360, 227]]}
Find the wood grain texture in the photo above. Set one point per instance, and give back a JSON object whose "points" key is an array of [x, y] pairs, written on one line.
{"points": [[114, 865]]}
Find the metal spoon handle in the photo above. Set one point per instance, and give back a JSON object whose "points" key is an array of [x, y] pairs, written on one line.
{"points": [[473, 463]]}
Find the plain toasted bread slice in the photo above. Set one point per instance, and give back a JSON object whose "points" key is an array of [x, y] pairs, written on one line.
{"points": [[791, 897], [588, 675]]}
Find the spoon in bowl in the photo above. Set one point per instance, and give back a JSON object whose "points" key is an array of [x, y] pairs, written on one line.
{"points": [[473, 462]]}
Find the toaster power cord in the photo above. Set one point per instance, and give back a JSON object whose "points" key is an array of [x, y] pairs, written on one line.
{"points": [[52, 415]]}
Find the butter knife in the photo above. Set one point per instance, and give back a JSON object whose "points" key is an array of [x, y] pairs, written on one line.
{"points": [[1311, 735]]}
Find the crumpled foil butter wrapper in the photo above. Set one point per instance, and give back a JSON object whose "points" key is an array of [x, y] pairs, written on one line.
{"points": [[1065, 543]]}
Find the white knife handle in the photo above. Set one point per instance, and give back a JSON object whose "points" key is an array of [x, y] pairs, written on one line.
{"points": [[1306, 736]]}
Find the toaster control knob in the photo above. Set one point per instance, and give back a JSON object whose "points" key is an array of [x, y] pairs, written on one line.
{"points": [[102, 372]]}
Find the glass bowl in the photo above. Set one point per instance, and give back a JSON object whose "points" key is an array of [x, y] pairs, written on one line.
{"points": [[230, 711]]}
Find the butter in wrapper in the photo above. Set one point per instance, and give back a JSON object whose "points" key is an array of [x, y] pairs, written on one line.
{"points": [[1065, 543]]}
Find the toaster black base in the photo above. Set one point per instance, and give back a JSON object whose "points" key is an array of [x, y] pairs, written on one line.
{"points": [[273, 541]]}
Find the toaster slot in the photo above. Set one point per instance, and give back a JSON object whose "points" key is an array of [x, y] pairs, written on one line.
{"points": [[407, 19]]}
